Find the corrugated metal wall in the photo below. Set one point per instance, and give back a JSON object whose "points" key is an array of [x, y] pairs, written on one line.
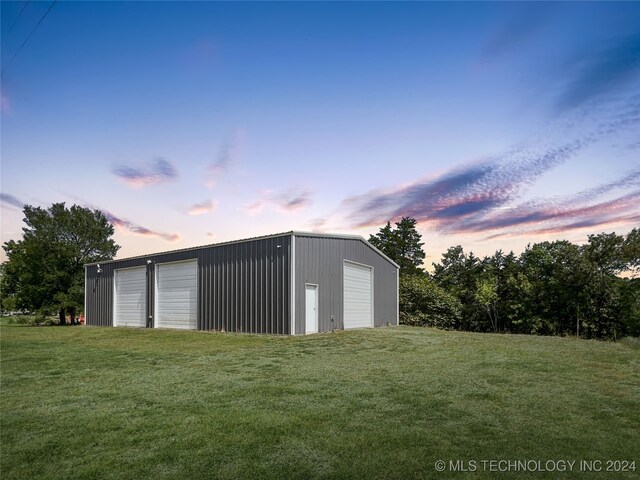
{"points": [[319, 260], [242, 287], [99, 290]]}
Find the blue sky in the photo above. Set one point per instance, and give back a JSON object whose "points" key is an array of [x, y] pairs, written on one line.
{"points": [[494, 124]]}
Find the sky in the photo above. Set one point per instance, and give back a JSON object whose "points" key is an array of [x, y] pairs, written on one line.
{"points": [[495, 125]]}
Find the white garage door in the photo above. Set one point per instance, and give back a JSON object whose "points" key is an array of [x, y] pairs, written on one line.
{"points": [[177, 295], [130, 297], [358, 296]]}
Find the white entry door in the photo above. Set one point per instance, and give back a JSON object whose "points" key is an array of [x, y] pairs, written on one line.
{"points": [[311, 308], [177, 295], [358, 295], [130, 297]]}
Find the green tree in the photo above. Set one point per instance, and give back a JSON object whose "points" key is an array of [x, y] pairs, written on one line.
{"points": [[402, 245], [487, 296], [552, 288], [504, 270], [631, 251], [44, 270], [518, 305], [7, 299], [611, 301], [630, 287], [457, 273], [630, 299], [560, 277], [605, 251], [385, 241], [423, 303]]}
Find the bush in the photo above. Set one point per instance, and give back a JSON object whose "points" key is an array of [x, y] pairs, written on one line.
{"points": [[424, 304], [631, 341], [24, 320], [34, 320]]}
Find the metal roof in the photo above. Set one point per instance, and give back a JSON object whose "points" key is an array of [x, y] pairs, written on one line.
{"points": [[250, 239]]}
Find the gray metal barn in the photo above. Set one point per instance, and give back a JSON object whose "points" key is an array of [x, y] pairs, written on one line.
{"points": [[287, 283]]}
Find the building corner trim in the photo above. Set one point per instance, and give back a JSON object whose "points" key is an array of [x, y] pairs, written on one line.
{"points": [[397, 296], [85, 296], [293, 285]]}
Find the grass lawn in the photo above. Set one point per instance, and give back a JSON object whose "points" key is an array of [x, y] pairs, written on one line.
{"points": [[83, 402]]}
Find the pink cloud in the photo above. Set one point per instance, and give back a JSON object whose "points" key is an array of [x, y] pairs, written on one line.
{"points": [[160, 170], [202, 208], [289, 201], [561, 216], [126, 225], [8, 199], [255, 208]]}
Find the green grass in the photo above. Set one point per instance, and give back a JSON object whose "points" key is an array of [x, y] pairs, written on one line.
{"points": [[82, 402]]}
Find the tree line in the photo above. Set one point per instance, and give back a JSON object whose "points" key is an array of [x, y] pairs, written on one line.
{"points": [[551, 288]]}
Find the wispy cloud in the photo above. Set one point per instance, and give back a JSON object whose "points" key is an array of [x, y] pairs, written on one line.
{"points": [[317, 224], [558, 218], [289, 201], [5, 103], [558, 214], [523, 23], [255, 208], [202, 208], [227, 155], [601, 222], [157, 171], [594, 70], [630, 180], [136, 229], [462, 192], [7, 199], [599, 70], [124, 224], [483, 196]]}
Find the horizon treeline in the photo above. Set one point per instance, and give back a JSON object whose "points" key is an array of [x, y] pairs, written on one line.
{"points": [[551, 288]]}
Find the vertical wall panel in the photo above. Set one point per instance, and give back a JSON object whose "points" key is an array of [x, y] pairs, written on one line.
{"points": [[319, 260], [242, 286], [245, 286], [249, 277], [99, 291]]}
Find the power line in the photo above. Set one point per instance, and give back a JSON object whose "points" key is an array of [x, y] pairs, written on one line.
{"points": [[32, 32], [16, 20]]}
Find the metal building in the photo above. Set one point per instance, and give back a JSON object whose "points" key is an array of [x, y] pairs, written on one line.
{"points": [[289, 283]]}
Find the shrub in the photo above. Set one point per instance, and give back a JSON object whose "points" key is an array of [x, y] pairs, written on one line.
{"points": [[34, 320], [424, 304], [25, 320]]}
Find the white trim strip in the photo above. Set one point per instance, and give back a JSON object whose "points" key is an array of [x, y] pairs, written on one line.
{"points": [[85, 297], [115, 294], [293, 284], [397, 296]]}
